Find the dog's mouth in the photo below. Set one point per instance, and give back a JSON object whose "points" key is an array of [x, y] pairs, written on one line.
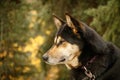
{"points": [[65, 60], [55, 61], [62, 60]]}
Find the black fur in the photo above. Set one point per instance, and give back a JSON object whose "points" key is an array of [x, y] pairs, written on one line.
{"points": [[106, 66]]}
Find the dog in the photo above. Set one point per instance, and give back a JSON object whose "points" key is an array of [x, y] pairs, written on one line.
{"points": [[83, 51]]}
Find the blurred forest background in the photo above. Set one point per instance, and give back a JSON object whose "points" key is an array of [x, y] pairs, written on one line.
{"points": [[27, 31]]}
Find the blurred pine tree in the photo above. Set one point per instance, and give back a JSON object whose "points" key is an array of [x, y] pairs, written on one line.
{"points": [[106, 20]]}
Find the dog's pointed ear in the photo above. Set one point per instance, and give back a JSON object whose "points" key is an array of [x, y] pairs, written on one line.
{"points": [[70, 20], [73, 23], [58, 22]]}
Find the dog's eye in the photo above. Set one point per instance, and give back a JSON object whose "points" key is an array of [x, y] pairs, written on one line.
{"points": [[60, 42]]}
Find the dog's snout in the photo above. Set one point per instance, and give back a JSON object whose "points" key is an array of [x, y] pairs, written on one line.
{"points": [[45, 57]]}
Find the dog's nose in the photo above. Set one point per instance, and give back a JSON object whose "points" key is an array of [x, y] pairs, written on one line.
{"points": [[45, 57]]}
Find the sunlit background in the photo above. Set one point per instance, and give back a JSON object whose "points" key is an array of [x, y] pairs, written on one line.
{"points": [[27, 31]]}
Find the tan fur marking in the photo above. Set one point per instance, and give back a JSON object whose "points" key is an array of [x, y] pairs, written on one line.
{"points": [[57, 39], [73, 64], [64, 44], [52, 52], [75, 31]]}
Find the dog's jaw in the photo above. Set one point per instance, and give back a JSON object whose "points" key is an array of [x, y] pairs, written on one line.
{"points": [[74, 63]]}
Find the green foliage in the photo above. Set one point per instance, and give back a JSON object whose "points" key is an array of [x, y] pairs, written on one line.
{"points": [[106, 20]]}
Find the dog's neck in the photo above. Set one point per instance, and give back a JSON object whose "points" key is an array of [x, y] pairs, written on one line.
{"points": [[78, 61], [100, 63], [75, 63]]}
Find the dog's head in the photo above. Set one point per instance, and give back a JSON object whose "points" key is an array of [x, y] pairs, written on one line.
{"points": [[72, 39], [68, 43]]}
